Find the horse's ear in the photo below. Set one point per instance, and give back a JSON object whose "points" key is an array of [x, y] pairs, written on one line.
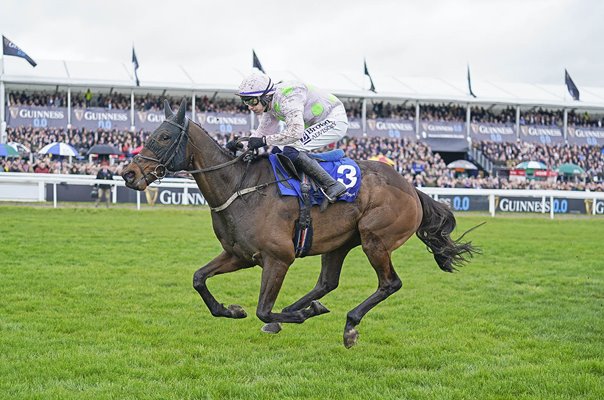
{"points": [[167, 110], [180, 114]]}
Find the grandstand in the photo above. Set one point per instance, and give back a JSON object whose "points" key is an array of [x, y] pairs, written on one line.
{"points": [[421, 124]]}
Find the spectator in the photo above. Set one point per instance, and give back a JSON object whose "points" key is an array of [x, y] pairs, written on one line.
{"points": [[104, 190]]}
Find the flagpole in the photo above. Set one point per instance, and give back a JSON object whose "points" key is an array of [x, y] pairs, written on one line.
{"points": [[2, 105]]}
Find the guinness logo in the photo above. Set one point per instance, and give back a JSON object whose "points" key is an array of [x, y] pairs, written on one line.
{"points": [[142, 116], [201, 118], [79, 114], [14, 111], [496, 202], [371, 123], [589, 204], [151, 194]]}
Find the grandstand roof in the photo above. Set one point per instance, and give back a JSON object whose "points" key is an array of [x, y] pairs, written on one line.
{"points": [[117, 75]]}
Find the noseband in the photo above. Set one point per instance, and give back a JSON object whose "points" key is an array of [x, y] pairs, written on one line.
{"points": [[166, 156]]}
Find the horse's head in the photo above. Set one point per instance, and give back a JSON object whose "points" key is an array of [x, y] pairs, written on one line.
{"points": [[165, 150]]}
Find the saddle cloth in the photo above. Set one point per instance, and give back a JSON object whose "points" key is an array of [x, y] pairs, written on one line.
{"points": [[343, 169]]}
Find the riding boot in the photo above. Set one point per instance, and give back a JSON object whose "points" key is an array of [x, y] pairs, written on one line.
{"points": [[330, 187]]}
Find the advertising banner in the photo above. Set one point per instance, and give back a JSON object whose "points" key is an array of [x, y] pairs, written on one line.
{"points": [[224, 123], [499, 133], [585, 136], [93, 118], [355, 127], [536, 205], [37, 117], [444, 135], [541, 134], [391, 127]]}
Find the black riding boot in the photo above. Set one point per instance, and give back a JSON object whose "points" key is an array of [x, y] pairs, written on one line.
{"points": [[330, 187]]}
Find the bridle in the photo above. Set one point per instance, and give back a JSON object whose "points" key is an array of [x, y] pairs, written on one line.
{"points": [[166, 157]]}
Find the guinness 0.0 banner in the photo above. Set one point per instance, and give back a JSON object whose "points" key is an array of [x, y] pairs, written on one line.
{"points": [[585, 136], [391, 127], [38, 117], [100, 118], [499, 133], [355, 127], [443, 135], [224, 123], [541, 134]]}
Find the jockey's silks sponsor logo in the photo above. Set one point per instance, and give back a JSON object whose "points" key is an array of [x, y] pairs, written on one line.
{"points": [[316, 130]]}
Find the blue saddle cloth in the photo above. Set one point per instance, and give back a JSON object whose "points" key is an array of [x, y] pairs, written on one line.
{"points": [[343, 169]]}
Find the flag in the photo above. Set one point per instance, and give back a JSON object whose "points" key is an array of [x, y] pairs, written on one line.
{"points": [[572, 88], [256, 62], [372, 88], [470, 83], [135, 63], [11, 49]]}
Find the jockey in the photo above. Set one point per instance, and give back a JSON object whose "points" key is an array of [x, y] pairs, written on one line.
{"points": [[313, 119]]}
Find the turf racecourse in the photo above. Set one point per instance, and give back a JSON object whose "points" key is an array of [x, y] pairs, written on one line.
{"points": [[98, 304]]}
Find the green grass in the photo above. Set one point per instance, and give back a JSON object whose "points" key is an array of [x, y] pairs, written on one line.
{"points": [[99, 304]]}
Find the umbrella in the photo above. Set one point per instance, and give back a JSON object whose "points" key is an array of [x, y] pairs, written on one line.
{"points": [[570, 169], [382, 158], [103, 149], [531, 165], [137, 150], [461, 164], [59, 149], [8, 151], [22, 149]]}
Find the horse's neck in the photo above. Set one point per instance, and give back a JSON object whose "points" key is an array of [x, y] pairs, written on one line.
{"points": [[216, 186]]}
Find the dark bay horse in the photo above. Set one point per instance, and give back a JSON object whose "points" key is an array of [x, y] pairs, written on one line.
{"points": [[255, 226]]}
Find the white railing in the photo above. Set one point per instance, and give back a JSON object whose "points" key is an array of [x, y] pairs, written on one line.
{"points": [[32, 187]]}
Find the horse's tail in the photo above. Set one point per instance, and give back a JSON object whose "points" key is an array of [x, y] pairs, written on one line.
{"points": [[435, 231]]}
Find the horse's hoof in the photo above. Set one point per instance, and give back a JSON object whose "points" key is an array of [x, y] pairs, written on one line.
{"points": [[350, 338], [273, 327], [236, 311], [318, 308]]}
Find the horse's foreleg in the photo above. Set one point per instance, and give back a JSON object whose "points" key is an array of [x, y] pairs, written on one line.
{"points": [[388, 283], [273, 274], [222, 264]]}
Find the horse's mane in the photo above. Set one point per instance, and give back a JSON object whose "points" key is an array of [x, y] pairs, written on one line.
{"points": [[222, 149]]}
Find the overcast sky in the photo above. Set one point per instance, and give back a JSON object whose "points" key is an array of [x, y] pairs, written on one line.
{"points": [[502, 40]]}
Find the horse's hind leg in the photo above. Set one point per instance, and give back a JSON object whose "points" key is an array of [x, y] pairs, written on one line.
{"points": [[388, 283], [222, 264], [331, 266]]}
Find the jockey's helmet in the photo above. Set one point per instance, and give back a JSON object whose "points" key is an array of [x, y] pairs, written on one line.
{"points": [[256, 87]]}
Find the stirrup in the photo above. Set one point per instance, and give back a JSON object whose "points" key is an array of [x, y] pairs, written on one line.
{"points": [[334, 197]]}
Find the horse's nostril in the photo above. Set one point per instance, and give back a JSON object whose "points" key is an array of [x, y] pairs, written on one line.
{"points": [[128, 176]]}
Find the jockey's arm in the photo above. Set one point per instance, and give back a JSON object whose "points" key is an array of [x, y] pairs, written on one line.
{"points": [[293, 109]]}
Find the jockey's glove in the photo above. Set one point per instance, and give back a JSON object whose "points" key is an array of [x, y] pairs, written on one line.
{"points": [[256, 142], [234, 145]]}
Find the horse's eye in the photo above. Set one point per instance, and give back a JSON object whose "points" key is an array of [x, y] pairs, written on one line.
{"points": [[165, 137]]}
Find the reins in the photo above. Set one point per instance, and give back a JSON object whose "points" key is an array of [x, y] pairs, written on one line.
{"points": [[161, 169]]}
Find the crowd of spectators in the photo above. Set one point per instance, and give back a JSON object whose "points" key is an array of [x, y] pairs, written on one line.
{"points": [[121, 101], [414, 160], [354, 107], [508, 155]]}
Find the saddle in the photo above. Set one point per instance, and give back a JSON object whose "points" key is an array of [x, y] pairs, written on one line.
{"points": [[292, 182]]}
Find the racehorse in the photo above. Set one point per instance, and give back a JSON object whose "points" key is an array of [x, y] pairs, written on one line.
{"points": [[255, 225]]}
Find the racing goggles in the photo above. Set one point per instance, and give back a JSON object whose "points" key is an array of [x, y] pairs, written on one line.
{"points": [[251, 101]]}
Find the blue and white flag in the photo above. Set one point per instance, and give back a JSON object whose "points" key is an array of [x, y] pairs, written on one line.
{"points": [[11, 49]]}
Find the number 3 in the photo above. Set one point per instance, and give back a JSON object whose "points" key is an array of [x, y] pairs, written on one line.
{"points": [[347, 172]]}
